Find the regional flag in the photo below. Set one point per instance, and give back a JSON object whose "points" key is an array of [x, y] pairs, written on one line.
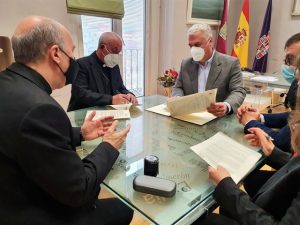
{"points": [[222, 37], [241, 41], [261, 57]]}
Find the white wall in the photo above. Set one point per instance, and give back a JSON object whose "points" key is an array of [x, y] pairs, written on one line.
{"points": [[152, 46]]}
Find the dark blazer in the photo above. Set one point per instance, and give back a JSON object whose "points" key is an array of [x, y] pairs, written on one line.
{"points": [[225, 74], [92, 87], [277, 202], [291, 96], [43, 180], [282, 137]]}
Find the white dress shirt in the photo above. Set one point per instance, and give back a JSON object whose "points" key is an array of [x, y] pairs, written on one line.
{"points": [[203, 72]]}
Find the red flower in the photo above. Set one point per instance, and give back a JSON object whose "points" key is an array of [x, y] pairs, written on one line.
{"points": [[169, 77], [174, 73]]}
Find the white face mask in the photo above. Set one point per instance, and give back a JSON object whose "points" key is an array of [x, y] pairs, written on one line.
{"points": [[197, 53], [111, 60]]}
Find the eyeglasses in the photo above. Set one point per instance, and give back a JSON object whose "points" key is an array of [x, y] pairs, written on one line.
{"points": [[289, 60]]}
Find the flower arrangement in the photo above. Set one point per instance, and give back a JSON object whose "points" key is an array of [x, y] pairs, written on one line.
{"points": [[169, 78]]}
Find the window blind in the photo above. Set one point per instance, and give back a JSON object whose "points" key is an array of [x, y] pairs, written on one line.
{"points": [[103, 8]]}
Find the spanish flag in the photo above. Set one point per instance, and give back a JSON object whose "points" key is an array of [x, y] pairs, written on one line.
{"points": [[241, 41]]}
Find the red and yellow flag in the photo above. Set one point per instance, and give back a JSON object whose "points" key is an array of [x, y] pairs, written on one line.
{"points": [[241, 41]]}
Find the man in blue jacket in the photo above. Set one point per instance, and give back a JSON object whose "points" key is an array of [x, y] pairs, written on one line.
{"points": [[250, 117]]}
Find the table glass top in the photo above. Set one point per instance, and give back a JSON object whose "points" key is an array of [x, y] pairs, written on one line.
{"points": [[170, 140]]}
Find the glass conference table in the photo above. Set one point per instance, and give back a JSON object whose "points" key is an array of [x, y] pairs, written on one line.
{"points": [[170, 140]]}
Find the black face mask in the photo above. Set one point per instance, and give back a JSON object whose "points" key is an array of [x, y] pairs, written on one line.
{"points": [[72, 71]]}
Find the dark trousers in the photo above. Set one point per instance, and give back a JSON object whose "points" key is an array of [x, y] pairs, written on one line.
{"points": [[256, 180], [109, 211], [216, 219], [252, 184]]}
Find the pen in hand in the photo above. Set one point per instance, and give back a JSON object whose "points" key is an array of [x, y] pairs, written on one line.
{"points": [[268, 137]]}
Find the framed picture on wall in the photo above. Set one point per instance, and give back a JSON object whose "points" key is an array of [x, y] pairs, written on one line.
{"points": [[296, 8], [209, 11]]}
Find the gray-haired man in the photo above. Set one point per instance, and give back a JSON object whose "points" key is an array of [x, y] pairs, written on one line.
{"points": [[208, 69]]}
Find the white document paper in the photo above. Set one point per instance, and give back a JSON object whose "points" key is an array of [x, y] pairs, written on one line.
{"points": [[222, 150], [122, 106], [196, 118], [198, 102], [127, 106], [117, 114]]}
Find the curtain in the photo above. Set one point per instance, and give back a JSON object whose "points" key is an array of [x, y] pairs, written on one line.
{"points": [[103, 8]]}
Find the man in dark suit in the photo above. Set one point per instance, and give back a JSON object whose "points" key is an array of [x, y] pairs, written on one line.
{"points": [[209, 69], [250, 117], [99, 80], [276, 201], [43, 180]]}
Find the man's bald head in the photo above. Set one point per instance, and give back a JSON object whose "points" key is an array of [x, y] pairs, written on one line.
{"points": [[34, 35], [109, 38], [109, 43]]}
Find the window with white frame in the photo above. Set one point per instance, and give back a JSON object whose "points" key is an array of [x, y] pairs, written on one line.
{"points": [[92, 28]]}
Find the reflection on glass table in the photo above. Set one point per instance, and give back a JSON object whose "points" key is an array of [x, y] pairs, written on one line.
{"points": [[170, 140]]}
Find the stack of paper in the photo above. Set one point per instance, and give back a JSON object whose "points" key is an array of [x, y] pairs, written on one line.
{"points": [[190, 108], [117, 114], [221, 150], [122, 106]]}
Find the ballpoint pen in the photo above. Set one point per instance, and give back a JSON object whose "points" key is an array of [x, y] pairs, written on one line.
{"points": [[268, 137]]}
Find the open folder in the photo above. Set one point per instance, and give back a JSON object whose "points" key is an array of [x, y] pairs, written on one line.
{"points": [[190, 108], [221, 150]]}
